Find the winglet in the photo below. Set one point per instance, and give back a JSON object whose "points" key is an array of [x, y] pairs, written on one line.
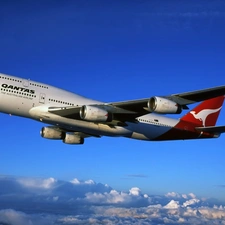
{"points": [[206, 113]]}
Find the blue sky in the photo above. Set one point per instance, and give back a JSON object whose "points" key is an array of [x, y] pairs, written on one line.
{"points": [[114, 51]]}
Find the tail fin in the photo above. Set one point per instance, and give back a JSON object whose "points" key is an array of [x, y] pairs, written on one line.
{"points": [[206, 113]]}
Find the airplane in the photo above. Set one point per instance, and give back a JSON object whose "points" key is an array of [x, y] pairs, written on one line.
{"points": [[72, 118]]}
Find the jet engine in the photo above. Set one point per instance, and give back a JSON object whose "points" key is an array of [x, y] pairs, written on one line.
{"points": [[73, 139], [95, 114], [51, 133], [164, 106]]}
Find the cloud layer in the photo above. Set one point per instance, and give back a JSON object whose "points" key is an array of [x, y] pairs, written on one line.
{"points": [[50, 201]]}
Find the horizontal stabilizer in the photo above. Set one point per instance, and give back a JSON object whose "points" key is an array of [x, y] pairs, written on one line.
{"points": [[212, 129]]}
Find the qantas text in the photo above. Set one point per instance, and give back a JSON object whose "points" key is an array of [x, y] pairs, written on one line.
{"points": [[18, 88]]}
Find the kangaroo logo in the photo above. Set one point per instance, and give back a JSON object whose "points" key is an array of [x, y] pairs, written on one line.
{"points": [[202, 115]]}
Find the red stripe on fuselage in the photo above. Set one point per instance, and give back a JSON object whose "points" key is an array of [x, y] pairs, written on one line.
{"points": [[183, 130]]}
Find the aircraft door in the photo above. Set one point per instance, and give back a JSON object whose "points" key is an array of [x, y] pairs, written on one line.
{"points": [[42, 98]]}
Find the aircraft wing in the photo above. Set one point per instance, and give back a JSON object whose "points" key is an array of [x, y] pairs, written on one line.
{"points": [[182, 99], [73, 112], [129, 110]]}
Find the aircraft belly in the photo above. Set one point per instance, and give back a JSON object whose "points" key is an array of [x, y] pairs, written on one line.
{"points": [[147, 131], [114, 130], [91, 128]]}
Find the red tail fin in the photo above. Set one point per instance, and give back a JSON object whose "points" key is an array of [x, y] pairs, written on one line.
{"points": [[206, 113]]}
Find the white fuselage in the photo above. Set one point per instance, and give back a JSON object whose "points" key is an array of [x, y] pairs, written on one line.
{"points": [[26, 98]]}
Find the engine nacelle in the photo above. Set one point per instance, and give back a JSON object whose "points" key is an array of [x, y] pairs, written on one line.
{"points": [[164, 106], [95, 114], [51, 133], [73, 139]]}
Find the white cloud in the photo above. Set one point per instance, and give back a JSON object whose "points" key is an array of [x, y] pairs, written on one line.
{"points": [[219, 207], [179, 196], [95, 197], [184, 196], [75, 181], [189, 212], [135, 191], [37, 183], [181, 220], [112, 197], [172, 195], [115, 197], [89, 182], [87, 202], [13, 217], [69, 220], [10, 216], [191, 202], [192, 195], [212, 213], [146, 196], [118, 215], [172, 205], [158, 206]]}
